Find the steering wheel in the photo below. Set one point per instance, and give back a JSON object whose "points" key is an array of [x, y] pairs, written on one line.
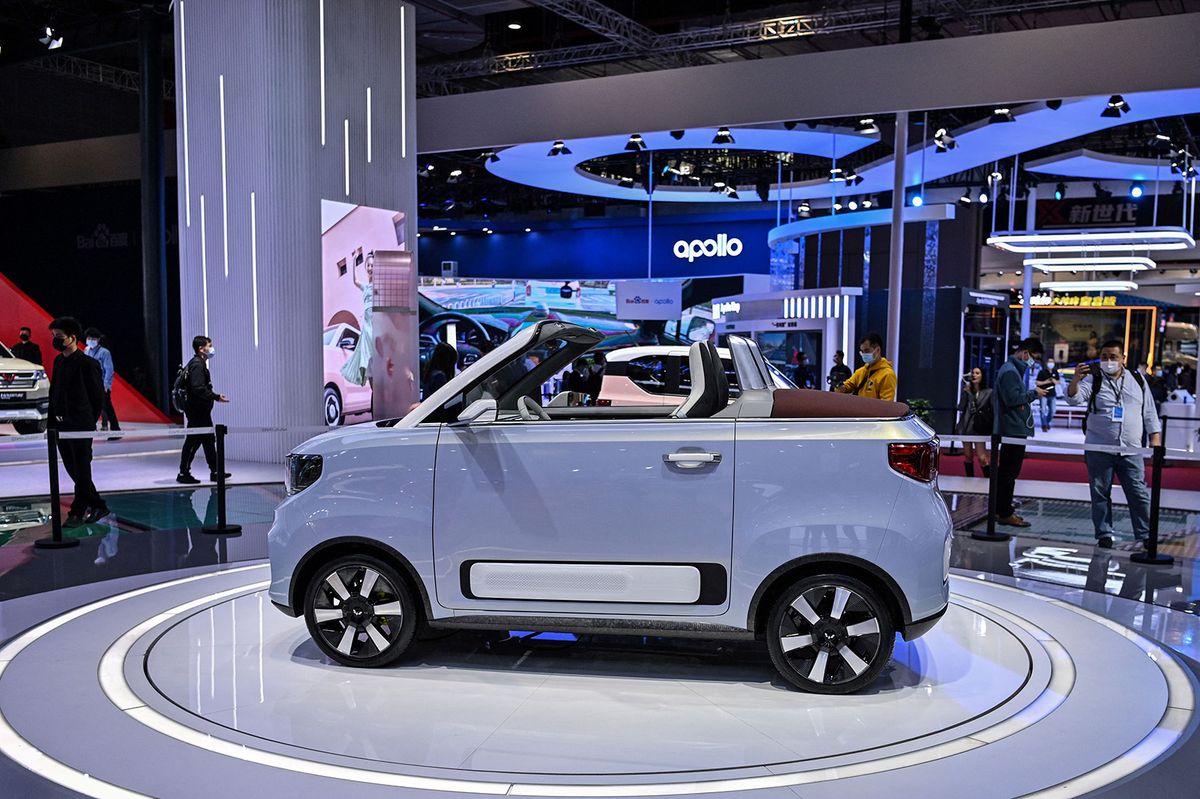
{"points": [[530, 411], [471, 331]]}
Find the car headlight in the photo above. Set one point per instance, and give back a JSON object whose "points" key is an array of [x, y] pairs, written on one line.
{"points": [[302, 471], [39, 376]]}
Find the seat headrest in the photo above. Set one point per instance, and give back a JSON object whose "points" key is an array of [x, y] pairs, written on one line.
{"points": [[720, 379], [706, 375]]}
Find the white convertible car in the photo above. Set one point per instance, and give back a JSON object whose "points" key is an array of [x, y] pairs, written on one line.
{"points": [[806, 518]]}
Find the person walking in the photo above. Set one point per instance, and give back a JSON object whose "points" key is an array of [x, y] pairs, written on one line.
{"points": [[1048, 375], [840, 372], [975, 419], [197, 411], [25, 349], [1120, 413], [875, 378], [76, 399], [1011, 405], [97, 350]]}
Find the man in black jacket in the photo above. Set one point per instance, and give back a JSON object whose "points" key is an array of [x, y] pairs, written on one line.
{"points": [[76, 399], [26, 349], [198, 411]]}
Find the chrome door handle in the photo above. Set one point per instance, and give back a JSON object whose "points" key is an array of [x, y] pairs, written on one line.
{"points": [[691, 460]]}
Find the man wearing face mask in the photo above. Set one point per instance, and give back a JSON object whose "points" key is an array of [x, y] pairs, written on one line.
{"points": [[1012, 408], [198, 411], [875, 378], [76, 399], [108, 418], [1048, 377], [1120, 413], [25, 349]]}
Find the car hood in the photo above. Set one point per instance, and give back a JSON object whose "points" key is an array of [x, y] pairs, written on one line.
{"points": [[18, 365]]}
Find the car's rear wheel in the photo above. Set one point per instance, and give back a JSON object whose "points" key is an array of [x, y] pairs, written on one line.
{"points": [[334, 415], [830, 634], [359, 611], [28, 428]]}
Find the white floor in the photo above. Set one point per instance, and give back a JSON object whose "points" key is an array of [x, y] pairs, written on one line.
{"points": [[199, 686]]}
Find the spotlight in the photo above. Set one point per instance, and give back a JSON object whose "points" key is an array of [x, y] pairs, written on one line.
{"points": [[718, 186], [1160, 143], [1136, 190], [944, 141], [1115, 108], [1002, 115], [723, 137], [677, 135], [917, 200], [456, 173], [805, 210], [965, 199], [837, 205], [1101, 192], [636, 143], [50, 39], [1060, 191], [1054, 105], [453, 232], [866, 127], [836, 175], [514, 26], [489, 156], [791, 125], [429, 167], [995, 178], [559, 148], [854, 179], [983, 197], [626, 182], [867, 202], [852, 205], [528, 230]]}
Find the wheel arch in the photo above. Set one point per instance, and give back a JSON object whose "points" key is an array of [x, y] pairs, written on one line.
{"points": [[352, 545], [826, 563]]}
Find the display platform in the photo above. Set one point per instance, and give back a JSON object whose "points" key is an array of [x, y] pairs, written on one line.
{"points": [[198, 686]]}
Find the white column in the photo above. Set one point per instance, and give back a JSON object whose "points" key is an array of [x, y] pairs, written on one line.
{"points": [[1030, 223], [896, 256]]}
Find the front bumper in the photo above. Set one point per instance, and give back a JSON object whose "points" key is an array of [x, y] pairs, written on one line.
{"points": [[24, 411]]}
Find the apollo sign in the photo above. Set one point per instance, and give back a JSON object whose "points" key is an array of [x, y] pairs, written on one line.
{"points": [[721, 247]]}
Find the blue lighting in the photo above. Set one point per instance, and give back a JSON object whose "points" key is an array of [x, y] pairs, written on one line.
{"points": [[1136, 191], [917, 201]]}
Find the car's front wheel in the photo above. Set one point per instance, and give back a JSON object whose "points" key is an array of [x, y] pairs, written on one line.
{"points": [[28, 428], [333, 407], [830, 634], [360, 611]]}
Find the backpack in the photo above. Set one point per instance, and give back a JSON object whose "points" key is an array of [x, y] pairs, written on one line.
{"points": [[1097, 382], [179, 390]]}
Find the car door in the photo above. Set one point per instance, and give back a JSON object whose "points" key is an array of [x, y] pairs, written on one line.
{"points": [[585, 517]]}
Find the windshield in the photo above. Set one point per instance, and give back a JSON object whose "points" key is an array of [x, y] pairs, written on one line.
{"points": [[5, 352]]}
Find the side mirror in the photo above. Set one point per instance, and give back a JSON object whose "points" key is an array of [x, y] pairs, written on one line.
{"points": [[481, 411]]}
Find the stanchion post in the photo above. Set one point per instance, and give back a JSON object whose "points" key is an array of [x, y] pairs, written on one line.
{"points": [[993, 485], [1151, 555], [56, 540], [221, 527]]}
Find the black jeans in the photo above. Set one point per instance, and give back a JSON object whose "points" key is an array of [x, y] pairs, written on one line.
{"points": [[1008, 466], [76, 454], [198, 418], [108, 416]]}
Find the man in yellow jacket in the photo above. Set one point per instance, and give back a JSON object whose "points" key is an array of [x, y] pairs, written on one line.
{"points": [[875, 378]]}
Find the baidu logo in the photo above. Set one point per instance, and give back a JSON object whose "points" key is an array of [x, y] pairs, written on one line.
{"points": [[720, 247]]}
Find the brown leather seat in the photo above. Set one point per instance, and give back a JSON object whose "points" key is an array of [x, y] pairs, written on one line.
{"points": [[803, 403]]}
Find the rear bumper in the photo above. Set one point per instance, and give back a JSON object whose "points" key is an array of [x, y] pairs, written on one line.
{"points": [[915, 629]]}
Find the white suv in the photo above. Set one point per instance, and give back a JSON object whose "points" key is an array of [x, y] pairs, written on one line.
{"points": [[823, 532], [24, 393]]}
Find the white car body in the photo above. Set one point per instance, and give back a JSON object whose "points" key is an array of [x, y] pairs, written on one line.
{"points": [[466, 514], [24, 393], [655, 375]]}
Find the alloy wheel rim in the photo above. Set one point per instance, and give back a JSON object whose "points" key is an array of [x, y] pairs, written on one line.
{"points": [[332, 411], [830, 634], [357, 611]]}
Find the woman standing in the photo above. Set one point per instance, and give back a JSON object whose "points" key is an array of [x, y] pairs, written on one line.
{"points": [[974, 414], [357, 369]]}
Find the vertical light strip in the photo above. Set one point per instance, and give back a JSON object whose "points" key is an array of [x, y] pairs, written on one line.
{"points": [[187, 172], [254, 262], [368, 124], [846, 328], [224, 184], [403, 89], [346, 152], [204, 262], [322, 27]]}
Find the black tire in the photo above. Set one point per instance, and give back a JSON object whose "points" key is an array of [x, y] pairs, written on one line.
{"points": [[822, 648], [348, 627], [335, 414], [28, 428]]}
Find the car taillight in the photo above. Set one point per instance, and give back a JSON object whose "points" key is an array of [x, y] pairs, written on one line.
{"points": [[918, 461], [603, 403]]}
